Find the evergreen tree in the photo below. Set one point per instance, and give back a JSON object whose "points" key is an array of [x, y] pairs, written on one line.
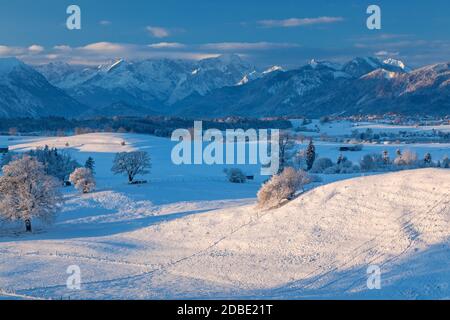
{"points": [[427, 159], [386, 159], [310, 155], [90, 164]]}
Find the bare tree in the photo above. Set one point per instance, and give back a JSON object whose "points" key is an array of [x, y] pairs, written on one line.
{"points": [[286, 148], [131, 164], [27, 192], [83, 180]]}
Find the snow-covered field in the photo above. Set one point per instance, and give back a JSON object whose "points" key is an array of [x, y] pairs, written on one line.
{"points": [[189, 233]]}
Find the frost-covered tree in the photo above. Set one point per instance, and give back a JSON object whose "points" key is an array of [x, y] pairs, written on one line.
{"points": [[286, 150], [27, 192], [131, 164], [299, 160], [281, 187], [235, 175], [310, 155], [83, 180], [407, 158], [90, 164]]}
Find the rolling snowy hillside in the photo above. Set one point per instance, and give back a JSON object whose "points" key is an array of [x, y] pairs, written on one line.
{"points": [[191, 234]]}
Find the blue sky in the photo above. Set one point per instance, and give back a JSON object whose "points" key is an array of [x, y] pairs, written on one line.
{"points": [[283, 32]]}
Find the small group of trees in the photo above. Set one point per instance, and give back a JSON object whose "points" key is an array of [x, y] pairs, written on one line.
{"points": [[29, 186], [406, 159], [56, 163]]}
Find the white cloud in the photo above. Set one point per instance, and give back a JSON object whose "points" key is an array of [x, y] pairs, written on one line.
{"points": [[52, 56], [104, 23], [104, 47], [166, 45], [158, 32], [297, 22], [63, 48], [35, 49], [9, 51], [230, 46], [384, 53]]}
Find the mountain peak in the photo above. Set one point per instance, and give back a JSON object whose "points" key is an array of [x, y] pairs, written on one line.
{"points": [[8, 64], [315, 63], [107, 67], [396, 63]]}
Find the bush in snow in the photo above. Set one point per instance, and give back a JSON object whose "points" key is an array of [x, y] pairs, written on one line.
{"points": [[321, 164], [235, 175], [131, 164], [343, 166], [27, 192], [83, 180], [281, 187], [445, 162], [372, 162], [299, 160], [407, 158]]}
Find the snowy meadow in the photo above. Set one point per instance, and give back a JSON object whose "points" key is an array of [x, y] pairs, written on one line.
{"points": [[191, 231]]}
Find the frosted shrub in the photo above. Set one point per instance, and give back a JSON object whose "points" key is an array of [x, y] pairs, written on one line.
{"points": [[235, 175], [321, 164], [372, 162], [345, 167], [445, 162], [281, 187], [407, 158], [83, 180]]}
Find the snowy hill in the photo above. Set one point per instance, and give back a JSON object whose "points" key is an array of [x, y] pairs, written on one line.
{"points": [[191, 234], [24, 92]]}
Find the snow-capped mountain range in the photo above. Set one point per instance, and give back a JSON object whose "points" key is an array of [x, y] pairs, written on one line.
{"points": [[152, 84], [360, 86], [222, 86], [24, 92]]}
